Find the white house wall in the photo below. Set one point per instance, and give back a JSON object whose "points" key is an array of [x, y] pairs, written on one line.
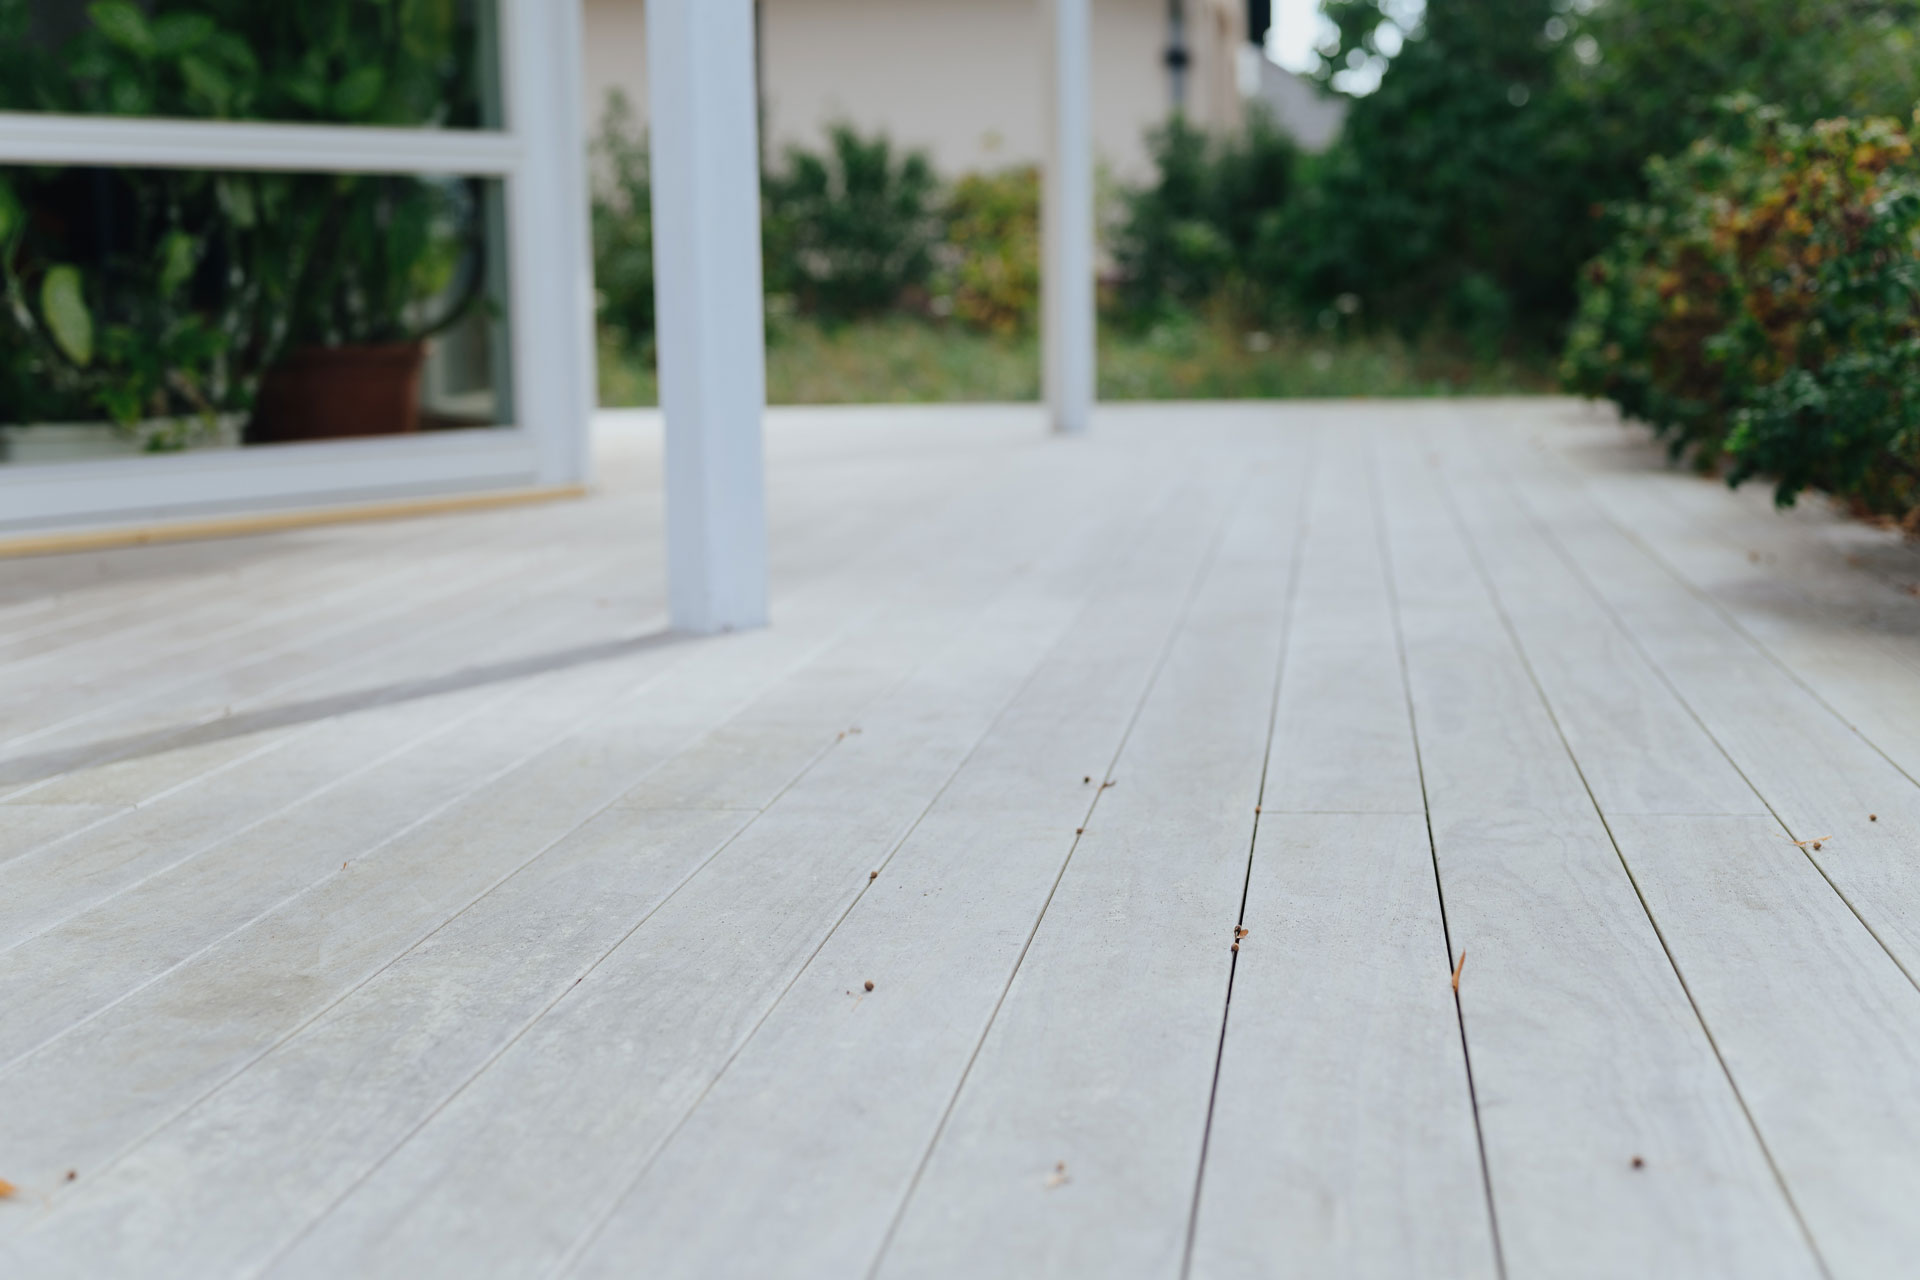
{"points": [[962, 79]]}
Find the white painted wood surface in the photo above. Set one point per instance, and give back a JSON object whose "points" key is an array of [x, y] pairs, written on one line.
{"points": [[589, 989], [1343, 1138], [940, 932], [1077, 1131], [703, 133], [1585, 1052]]}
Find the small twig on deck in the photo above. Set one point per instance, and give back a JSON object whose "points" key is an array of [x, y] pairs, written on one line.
{"points": [[1801, 844], [1456, 970]]}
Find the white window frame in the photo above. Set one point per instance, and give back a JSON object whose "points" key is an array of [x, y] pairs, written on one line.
{"points": [[538, 156]]}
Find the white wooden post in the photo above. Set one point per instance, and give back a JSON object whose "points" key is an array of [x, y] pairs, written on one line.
{"points": [[1066, 277], [550, 380], [712, 349]]}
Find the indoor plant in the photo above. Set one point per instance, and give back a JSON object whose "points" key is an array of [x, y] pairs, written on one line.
{"points": [[177, 297]]}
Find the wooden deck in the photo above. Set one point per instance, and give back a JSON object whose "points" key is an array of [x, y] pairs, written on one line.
{"points": [[398, 900]]}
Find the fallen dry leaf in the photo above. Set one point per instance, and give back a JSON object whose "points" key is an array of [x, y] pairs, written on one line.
{"points": [[1456, 970]]}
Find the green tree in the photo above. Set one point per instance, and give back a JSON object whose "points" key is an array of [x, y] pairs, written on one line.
{"points": [[1467, 188], [1197, 230]]}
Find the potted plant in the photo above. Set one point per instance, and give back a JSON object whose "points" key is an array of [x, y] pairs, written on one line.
{"points": [[173, 302], [376, 266]]}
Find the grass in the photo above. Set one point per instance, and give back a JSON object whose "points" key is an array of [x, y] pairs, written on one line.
{"points": [[900, 359]]}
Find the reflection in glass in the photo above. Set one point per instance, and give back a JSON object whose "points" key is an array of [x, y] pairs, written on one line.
{"points": [[386, 62], [158, 310]]}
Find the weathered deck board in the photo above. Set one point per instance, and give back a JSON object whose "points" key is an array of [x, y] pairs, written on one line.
{"points": [[587, 996], [1078, 1129], [569, 753], [1815, 772], [1585, 1051], [1343, 1139], [529, 1155], [1807, 1010], [940, 932]]}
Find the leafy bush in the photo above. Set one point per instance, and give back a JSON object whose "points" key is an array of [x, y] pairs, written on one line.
{"points": [[850, 231], [989, 277], [1207, 222], [623, 227], [1762, 308]]}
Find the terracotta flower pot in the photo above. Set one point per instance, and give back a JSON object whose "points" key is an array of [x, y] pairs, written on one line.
{"points": [[322, 393]]}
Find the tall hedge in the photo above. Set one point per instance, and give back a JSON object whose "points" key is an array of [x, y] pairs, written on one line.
{"points": [[1761, 309]]}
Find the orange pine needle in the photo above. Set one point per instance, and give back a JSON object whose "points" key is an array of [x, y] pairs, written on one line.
{"points": [[1456, 970]]}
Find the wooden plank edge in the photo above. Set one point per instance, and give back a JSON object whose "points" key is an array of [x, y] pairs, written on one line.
{"points": [[275, 521]]}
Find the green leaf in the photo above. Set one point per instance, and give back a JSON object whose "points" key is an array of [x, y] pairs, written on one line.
{"points": [[236, 200], [64, 305], [177, 33], [305, 87], [207, 81], [129, 98], [358, 90], [12, 218], [124, 25], [177, 261]]}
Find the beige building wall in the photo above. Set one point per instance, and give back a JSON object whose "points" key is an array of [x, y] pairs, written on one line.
{"points": [[962, 79]]}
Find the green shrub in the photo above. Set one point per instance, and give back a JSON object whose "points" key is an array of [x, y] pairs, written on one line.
{"points": [[989, 277], [1844, 414], [850, 231], [1762, 308], [623, 227], [1209, 218]]}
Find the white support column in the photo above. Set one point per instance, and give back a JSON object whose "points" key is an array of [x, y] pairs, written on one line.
{"points": [[550, 379], [712, 349], [1066, 277]]}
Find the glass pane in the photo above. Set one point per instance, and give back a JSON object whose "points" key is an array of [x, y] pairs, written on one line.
{"points": [[159, 310], [381, 62]]}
